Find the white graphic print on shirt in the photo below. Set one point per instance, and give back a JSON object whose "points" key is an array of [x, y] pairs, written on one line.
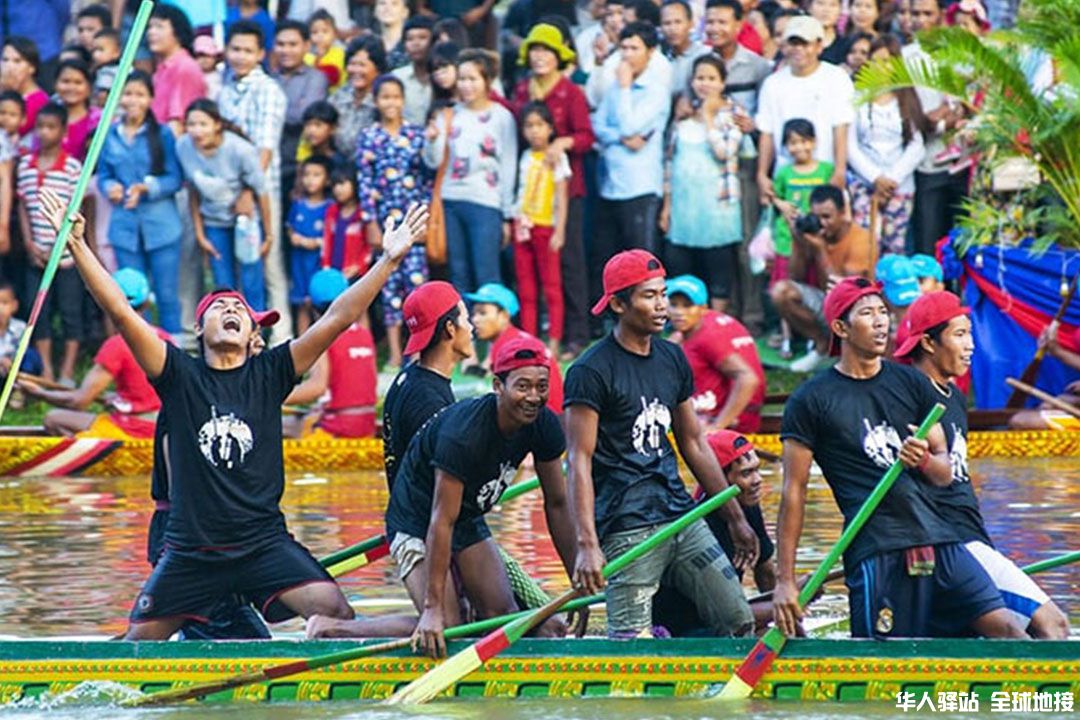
{"points": [[650, 427], [492, 490], [881, 443], [220, 436], [958, 456]]}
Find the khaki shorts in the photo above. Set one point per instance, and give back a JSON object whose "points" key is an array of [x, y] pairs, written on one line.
{"points": [[408, 552]]}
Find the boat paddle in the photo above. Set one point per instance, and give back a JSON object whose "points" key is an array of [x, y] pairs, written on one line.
{"points": [[127, 58], [443, 676], [1031, 372], [374, 548], [761, 657], [1024, 389], [294, 667]]}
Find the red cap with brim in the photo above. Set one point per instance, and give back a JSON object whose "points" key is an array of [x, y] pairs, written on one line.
{"points": [[627, 269], [422, 310], [262, 319], [728, 446], [929, 310], [844, 294], [523, 351]]}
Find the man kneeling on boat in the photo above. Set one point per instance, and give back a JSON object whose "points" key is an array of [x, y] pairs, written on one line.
{"points": [[134, 406], [623, 396], [225, 533], [907, 571], [935, 338], [453, 473]]}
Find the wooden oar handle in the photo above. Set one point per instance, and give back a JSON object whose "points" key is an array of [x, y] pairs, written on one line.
{"points": [[1044, 396], [43, 382]]}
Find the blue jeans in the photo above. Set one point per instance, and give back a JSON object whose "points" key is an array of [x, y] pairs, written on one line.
{"points": [[252, 284], [473, 238], [164, 272]]}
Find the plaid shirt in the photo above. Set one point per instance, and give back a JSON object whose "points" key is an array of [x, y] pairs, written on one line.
{"points": [[257, 104]]}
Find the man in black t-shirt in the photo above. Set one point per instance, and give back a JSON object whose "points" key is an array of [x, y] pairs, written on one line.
{"points": [[622, 396], [935, 337], [453, 473], [907, 571], [225, 534], [439, 330]]}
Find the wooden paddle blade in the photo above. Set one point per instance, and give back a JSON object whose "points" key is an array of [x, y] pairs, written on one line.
{"points": [[756, 664], [358, 561], [1031, 372]]}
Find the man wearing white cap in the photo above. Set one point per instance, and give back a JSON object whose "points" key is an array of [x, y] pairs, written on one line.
{"points": [[806, 88]]}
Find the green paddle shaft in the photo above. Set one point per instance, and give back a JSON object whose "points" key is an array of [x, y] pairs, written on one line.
{"points": [[669, 531], [1051, 563], [868, 507], [111, 103], [512, 492]]}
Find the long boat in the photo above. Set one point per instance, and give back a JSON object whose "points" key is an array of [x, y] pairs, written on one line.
{"points": [[26, 455], [809, 670]]}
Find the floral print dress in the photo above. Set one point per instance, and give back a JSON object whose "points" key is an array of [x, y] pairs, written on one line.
{"points": [[390, 177]]}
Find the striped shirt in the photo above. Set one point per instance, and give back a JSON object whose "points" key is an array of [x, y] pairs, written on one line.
{"points": [[61, 178]]}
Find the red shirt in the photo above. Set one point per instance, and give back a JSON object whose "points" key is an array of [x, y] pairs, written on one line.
{"points": [[355, 258], [353, 375], [34, 102], [570, 111], [555, 389], [134, 393], [750, 40], [715, 338]]}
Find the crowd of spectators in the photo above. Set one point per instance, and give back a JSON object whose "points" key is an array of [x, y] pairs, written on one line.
{"points": [[256, 145]]}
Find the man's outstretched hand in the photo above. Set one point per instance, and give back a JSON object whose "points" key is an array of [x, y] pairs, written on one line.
{"points": [[52, 207], [398, 238]]}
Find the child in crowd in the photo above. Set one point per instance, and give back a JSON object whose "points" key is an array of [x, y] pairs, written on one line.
{"points": [[929, 273], [11, 112], [218, 163], [327, 54], [208, 55], [540, 224], [320, 123], [106, 62], [51, 167], [138, 178], [21, 60], [392, 176], [793, 184], [858, 52], [12, 115], [11, 330], [702, 213], [345, 247], [74, 87], [306, 225], [251, 11], [89, 22]]}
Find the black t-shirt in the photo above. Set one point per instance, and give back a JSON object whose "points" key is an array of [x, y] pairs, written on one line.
{"points": [[756, 520], [464, 441], [855, 429], [227, 470], [413, 398], [159, 492], [634, 469], [958, 499]]}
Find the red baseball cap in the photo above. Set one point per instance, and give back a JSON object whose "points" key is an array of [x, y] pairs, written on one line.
{"points": [[840, 299], [728, 446], [262, 319], [422, 310], [929, 310], [522, 351], [627, 269]]}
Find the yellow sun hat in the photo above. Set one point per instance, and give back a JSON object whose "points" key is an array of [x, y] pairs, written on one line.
{"points": [[549, 36]]}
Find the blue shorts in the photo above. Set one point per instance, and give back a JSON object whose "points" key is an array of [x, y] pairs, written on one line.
{"points": [[302, 265], [887, 602], [192, 588]]}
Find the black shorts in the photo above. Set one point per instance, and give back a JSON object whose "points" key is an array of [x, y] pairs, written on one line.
{"points": [[189, 587], [887, 602]]}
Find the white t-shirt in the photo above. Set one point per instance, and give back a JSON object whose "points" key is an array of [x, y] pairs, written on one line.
{"points": [[826, 98]]}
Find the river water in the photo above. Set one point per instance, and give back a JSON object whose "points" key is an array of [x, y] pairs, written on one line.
{"points": [[72, 558]]}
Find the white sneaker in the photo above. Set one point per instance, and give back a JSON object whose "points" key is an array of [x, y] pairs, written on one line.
{"points": [[808, 362]]}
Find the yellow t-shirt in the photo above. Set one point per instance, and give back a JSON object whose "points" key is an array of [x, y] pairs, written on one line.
{"points": [[536, 198], [332, 64]]}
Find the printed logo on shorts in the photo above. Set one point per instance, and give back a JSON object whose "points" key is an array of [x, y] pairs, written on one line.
{"points": [[144, 602], [225, 440], [493, 489], [881, 443], [884, 624], [651, 427], [958, 456]]}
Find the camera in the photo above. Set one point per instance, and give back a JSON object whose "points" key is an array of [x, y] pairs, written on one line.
{"points": [[808, 224]]}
